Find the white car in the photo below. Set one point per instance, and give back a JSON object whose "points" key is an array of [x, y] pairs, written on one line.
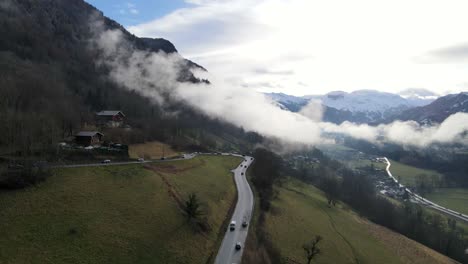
{"points": [[106, 161], [141, 159], [232, 226]]}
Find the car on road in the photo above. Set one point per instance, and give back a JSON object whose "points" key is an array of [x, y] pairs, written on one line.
{"points": [[244, 223], [238, 245], [232, 226], [242, 173], [163, 158], [106, 161], [141, 159]]}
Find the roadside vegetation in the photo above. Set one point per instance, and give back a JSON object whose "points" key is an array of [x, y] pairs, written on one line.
{"points": [[118, 214]]}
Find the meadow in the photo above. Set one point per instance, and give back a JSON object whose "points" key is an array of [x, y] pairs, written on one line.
{"points": [[117, 214], [300, 212]]}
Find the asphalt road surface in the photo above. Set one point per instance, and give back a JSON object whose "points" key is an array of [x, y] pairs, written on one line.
{"points": [[185, 156], [243, 212]]}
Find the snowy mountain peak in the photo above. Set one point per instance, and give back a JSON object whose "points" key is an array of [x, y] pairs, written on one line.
{"points": [[418, 96], [418, 93], [336, 95], [286, 98], [363, 106], [364, 101]]}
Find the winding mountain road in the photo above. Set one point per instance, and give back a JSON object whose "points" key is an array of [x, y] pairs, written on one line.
{"points": [[243, 212]]}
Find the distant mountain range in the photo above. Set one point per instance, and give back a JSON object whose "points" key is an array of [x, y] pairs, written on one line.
{"points": [[373, 107], [436, 111]]}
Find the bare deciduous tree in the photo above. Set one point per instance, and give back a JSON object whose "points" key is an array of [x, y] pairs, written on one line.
{"points": [[311, 248]]}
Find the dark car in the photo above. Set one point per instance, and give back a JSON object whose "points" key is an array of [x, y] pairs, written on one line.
{"points": [[238, 245], [242, 173], [245, 224]]}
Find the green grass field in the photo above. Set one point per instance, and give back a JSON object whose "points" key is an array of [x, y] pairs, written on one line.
{"points": [[453, 198], [301, 211], [407, 174], [117, 214]]}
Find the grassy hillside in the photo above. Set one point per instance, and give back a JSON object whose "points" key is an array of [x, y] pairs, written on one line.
{"points": [[119, 214], [301, 211]]}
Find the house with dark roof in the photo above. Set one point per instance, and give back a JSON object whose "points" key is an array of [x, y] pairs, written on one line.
{"points": [[110, 118], [88, 138]]}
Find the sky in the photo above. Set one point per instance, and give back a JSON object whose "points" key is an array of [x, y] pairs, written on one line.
{"points": [[304, 47]]}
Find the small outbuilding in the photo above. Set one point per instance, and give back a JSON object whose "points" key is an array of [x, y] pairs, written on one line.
{"points": [[110, 118], [88, 138]]}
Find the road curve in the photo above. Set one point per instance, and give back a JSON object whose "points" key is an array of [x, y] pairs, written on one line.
{"points": [[423, 201], [243, 211]]}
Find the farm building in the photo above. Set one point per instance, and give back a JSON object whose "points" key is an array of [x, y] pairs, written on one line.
{"points": [[88, 138], [110, 118]]}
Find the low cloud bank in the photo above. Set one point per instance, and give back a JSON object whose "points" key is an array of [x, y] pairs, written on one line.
{"points": [[155, 75], [408, 133]]}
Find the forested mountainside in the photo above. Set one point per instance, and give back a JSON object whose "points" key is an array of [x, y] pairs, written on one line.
{"points": [[51, 85]]}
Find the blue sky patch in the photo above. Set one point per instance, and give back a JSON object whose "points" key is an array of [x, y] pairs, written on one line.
{"points": [[134, 12]]}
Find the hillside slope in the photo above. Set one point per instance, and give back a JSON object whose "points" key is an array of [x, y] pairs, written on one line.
{"points": [[300, 212], [119, 214]]}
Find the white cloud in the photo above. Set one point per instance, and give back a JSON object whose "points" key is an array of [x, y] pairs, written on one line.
{"points": [[155, 74], [329, 45], [127, 8]]}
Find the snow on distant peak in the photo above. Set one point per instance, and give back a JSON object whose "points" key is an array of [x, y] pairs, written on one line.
{"points": [[286, 98], [364, 101], [419, 96], [419, 93]]}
